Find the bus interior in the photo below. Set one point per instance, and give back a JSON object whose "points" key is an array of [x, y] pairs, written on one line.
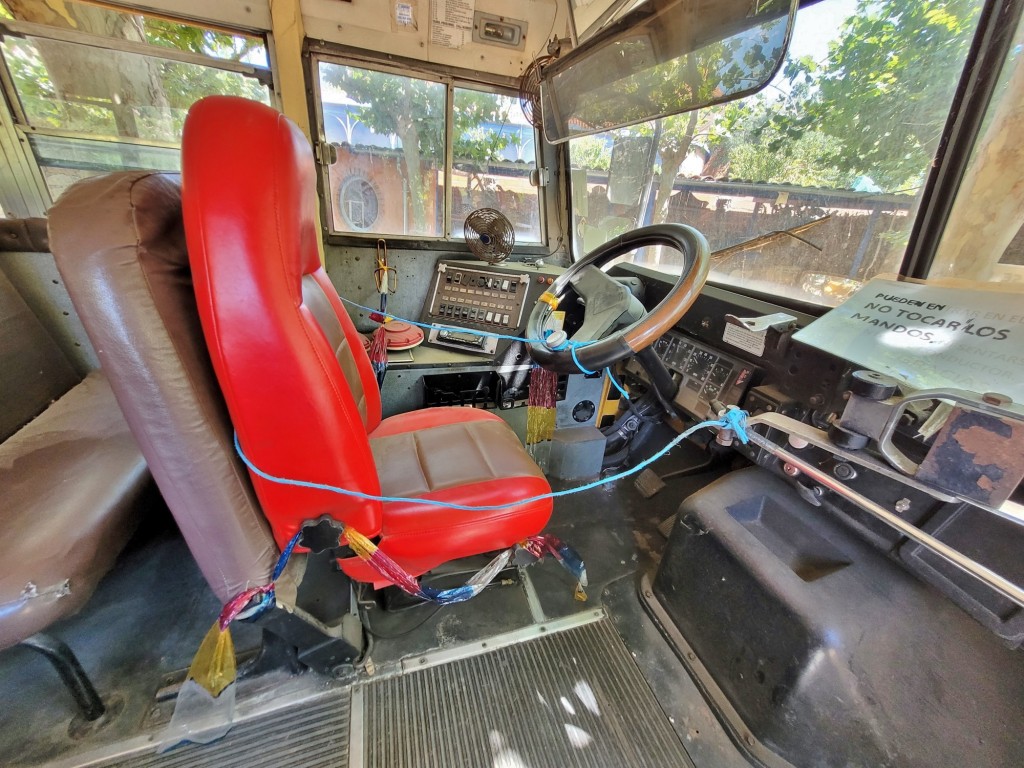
{"points": [[513, 384]]}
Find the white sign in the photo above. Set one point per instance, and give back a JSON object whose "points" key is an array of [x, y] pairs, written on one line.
{"points": [[451, 22], [750, 341], [404, 15], [929, 336]]}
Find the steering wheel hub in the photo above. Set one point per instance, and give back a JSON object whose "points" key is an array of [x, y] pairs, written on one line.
{"points": [[596, 344]]}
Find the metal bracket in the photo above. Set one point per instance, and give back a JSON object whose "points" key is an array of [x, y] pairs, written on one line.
{"points": [[1000, 584], [780, 321]]}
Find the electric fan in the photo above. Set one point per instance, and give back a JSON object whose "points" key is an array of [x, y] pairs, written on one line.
{"points": [[489, 235], [529, 90]]}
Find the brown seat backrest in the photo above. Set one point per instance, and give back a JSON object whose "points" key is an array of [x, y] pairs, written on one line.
{"points": [[119, 244]]}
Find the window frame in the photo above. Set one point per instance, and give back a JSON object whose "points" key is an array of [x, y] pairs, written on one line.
{"points": [[451, 78], [22, 127], [990, 45]]}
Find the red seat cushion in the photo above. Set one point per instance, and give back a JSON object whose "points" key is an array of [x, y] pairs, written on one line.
{"points": [[461, 455]]}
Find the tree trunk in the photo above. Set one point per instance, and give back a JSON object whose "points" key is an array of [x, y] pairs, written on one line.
{"points": [[407, 132], [989, 208], [671, 161], [119, 82]]}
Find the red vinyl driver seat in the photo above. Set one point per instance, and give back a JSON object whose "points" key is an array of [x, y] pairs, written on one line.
{"points": [[298, 384]]}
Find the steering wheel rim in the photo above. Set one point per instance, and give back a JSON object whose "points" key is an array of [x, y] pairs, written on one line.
{"points": [[634, 338]]}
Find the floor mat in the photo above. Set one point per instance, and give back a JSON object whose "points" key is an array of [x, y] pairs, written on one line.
{"points": [[572, 698]]}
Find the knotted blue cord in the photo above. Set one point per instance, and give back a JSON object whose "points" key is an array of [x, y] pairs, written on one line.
{"points": [[736, 422]]}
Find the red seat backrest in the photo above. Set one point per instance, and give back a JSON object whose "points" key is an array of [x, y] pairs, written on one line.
{"points": [[298, 384]]}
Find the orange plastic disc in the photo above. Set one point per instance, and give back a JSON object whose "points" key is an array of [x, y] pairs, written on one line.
{"points": [[403, 335]]}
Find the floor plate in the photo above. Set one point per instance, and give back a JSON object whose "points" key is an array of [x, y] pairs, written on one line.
{"points": [[571, 698]]}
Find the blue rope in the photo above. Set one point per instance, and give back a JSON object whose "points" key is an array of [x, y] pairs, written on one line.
{"points": [[735, 423], [572, 351], [567, 344], [608, 373], [736, 420]]}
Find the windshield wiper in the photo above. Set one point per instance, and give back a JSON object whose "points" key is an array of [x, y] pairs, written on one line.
{"points": [[768, 237]]}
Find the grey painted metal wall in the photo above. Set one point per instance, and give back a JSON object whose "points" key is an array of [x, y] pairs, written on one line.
{"points": [[35, 277]]}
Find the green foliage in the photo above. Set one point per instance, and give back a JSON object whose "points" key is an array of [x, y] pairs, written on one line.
{"points": [[811, 160], [73, 87], [470, 139], [208, 42], [884, 93], [590, 152]]}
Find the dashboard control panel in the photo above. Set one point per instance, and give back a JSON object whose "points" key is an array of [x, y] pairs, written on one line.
{"points": [[706, 373], [473, 296]]}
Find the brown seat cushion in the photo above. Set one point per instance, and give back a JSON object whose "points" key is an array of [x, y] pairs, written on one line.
{"points": [[71, 479]]}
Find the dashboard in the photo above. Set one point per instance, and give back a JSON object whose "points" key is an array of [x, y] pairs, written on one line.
{"points": [[811, 387]]}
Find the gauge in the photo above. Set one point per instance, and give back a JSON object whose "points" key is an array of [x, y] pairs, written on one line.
{"points": [[700, 363], [670, 350], [711, 391], [682, 353], [720, 373], [661, 345]]}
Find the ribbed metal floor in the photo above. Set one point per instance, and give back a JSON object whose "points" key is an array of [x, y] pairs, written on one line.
{"points": [[314, 735], [572, 698]]}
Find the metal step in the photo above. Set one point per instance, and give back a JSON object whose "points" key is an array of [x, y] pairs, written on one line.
{"points": [[572, 698], [312, 735]]}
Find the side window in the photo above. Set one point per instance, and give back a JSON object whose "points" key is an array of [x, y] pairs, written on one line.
{"points": [[389, 173], [96, 90], [388, 131], [494, 147]]}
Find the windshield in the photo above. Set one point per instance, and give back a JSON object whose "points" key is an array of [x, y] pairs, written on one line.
{"points": [[810, 187]]}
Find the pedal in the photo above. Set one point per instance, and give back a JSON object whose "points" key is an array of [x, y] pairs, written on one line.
{"points": [[648, 483]]}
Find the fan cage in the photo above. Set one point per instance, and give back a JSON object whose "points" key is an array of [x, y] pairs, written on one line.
{"points": [[489, 235]]}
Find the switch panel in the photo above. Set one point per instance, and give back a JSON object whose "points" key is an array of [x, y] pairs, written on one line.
{"points": [[466, 296]]}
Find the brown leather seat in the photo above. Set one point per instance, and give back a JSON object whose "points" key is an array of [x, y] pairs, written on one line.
{"points": [[70, 472], [71, 479], [120, 248]]}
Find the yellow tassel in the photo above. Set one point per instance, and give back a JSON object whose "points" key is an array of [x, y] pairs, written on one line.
{"points": [[361, 545], [213, 666]]}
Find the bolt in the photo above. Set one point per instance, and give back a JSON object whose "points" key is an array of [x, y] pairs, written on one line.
{"points": [[817, 400], [994, 398], [797, 442], [749, 739], [790, 470], [705, 323], [844, 471], [902, 505], [691, 656], [423, 659]]}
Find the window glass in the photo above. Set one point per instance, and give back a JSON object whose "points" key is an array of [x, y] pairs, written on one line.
{"points": [[123, 95], [90, 109], [984, 238], [494, 148], [808, 188], [389, 133]]}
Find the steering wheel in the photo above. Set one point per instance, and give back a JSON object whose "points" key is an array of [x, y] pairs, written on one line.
{"points": [[609, 304]]}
